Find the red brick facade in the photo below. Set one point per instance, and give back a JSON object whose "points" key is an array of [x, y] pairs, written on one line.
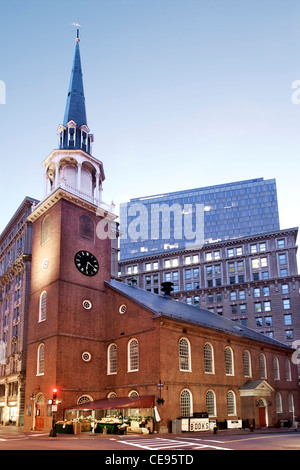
{"points": [[69, 330]]}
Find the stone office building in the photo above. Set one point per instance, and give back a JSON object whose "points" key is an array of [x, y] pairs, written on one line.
{"points": [[252, 280], [15, 277]]}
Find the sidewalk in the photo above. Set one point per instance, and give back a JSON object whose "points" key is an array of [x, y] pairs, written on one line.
{"points": [[13, 430]]}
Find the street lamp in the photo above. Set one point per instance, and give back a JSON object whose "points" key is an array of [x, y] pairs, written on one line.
{"points": [[54, 407], [160, 400]]}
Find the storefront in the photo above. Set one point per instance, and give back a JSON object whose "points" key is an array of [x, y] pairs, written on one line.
{"points": [[118, 415]]}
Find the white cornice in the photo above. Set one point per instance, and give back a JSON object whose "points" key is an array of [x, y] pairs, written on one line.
{"points": [[59, 194]]}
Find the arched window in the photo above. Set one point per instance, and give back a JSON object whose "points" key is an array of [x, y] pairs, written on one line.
{"points": [[112, 395], [231, 403], [278, 402], [262, 366], [186, 404], [133, 355], [133, 394], [41, 359], [288, 372], [291, 403], [229, 361], [87, 228], [209, 359], [276, 368], [184, 355], [46, 229], [211, 403], [247, 364], [43, 306], [112, 359], [84, 399]]}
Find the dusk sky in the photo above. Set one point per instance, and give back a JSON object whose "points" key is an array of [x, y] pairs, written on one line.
{"points": [[179, 94]]}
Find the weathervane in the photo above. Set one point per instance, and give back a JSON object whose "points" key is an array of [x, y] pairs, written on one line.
{"points": [[78, 25]]}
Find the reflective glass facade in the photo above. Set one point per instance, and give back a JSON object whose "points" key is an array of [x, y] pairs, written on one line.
{"points": [[229, 210]]}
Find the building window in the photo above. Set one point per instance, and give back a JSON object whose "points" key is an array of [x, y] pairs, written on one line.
{"points": [[46, 229], [289, 334], [276, 368], [247, 364], [278, 403], [186, 405], [281, 244], [288, 372], [211, 403], [43, 306], [229, 361], [257, 307], [208, 359], [266, 291], [262, 366], [184, 355], [41, 359], [87, 228], [285, 289], [112, 359], [287, 319], [231, 407], [291, 403], [133, 355]]}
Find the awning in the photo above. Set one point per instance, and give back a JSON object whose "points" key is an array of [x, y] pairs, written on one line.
{"points": [[117, 403]]}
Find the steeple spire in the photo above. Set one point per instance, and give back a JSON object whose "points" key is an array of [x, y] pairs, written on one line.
{"points": [[75, 106], [74, 133]]}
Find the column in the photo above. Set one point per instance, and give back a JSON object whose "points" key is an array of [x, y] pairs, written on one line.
{"points": [[79, 166], [56, 174], [46, 184]]}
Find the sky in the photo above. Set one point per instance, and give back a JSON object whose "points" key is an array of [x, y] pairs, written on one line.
{"points": [[179, 94]]}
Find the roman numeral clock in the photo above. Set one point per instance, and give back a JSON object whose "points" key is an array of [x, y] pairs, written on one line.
{"points": [[86, 263]]}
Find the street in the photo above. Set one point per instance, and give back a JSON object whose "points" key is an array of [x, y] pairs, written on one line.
{"points": [[152, 445]]}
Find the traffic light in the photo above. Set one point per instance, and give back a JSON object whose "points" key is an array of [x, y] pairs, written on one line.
{"points": [[55, 400]]}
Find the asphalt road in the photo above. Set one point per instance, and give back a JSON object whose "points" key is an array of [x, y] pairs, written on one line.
{"points": [[168, 445]]}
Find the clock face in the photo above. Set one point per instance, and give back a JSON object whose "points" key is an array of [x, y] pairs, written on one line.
{"points": [[86, 263]]}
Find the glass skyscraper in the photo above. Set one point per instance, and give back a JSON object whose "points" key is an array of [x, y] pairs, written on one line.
{"points": [[172, 221]]}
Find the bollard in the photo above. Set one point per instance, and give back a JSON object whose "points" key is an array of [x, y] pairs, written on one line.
{"points": [[215, 429]]}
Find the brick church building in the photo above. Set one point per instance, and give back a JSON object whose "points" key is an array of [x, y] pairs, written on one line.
{"points": [[94, 338]]}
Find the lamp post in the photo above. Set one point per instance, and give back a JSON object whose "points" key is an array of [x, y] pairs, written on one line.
{"points": [[160, 386], [54, 408]]}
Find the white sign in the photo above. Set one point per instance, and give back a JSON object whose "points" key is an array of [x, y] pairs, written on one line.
{"points": [[54, 407], [199, 424], [195, 424]]}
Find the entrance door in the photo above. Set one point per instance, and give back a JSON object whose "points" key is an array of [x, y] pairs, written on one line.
{"points": [[262, 416], [40, 413]]}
